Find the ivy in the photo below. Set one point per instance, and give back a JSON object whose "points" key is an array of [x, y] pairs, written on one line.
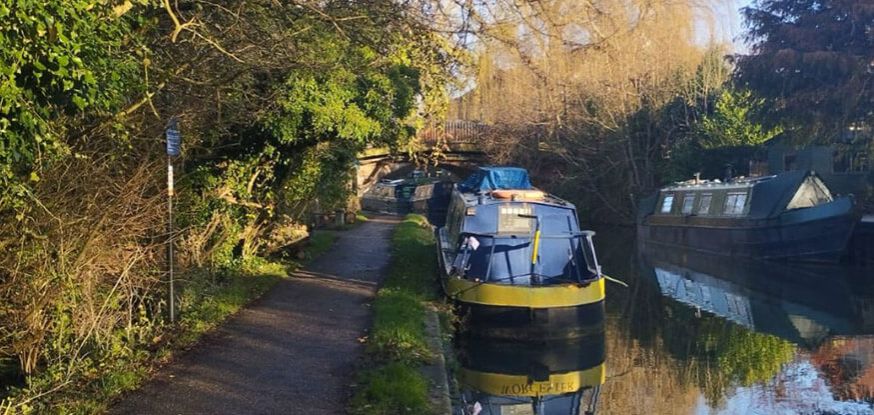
{"points": [[55, 61]]}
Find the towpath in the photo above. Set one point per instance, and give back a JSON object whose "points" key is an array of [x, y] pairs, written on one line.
{"points": [[290, 352]]}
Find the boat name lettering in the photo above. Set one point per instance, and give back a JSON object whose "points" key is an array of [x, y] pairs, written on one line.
{"points": [[540, 388]]}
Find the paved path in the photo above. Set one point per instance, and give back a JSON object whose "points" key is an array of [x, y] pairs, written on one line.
{"points": [[291, 352]]}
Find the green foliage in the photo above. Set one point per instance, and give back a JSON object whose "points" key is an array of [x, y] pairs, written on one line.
{"points": [[56, 59], [726, 132], [398, 327], [399, 314], [392, 389], [749, 357], [414, 264], [723, 353], [731, 123], [271, 133], [812, 62]]}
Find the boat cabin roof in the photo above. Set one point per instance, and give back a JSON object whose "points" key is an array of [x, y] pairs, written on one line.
{"points": [[477, 188], [755, 197]]}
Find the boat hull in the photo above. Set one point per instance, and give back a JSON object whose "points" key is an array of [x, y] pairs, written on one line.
{"points": [[816, 234], [518, 312], [527, 324]]}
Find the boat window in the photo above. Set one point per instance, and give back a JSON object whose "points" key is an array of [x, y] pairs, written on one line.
{"points": [[510, 220], [667, 203], [704, 205], [688, 203], [424, 191], [734, 203], [453, 220]]}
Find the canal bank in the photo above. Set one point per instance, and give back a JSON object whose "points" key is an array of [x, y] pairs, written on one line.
{"points": [[404, 370], [296, 347]]}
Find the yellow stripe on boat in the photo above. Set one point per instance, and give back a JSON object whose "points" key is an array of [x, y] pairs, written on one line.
{"points": [[550, 296], [519, 385], [536, 247]]}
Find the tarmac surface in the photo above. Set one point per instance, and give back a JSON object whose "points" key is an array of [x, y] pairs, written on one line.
{"points": [[292, 351]]}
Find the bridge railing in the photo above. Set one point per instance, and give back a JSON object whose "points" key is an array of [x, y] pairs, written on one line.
{"points": [[453, 132]]}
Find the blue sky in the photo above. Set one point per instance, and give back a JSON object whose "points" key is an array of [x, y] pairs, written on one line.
{"points": [[732, 20]]}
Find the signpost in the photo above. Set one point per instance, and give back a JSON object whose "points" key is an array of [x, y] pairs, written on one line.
{"points": [[174, 144]]}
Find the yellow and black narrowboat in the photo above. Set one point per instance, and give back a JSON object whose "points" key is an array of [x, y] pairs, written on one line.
{"points": [[515, 260], [508, 377]]}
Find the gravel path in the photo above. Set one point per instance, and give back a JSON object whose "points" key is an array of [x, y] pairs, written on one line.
{"points": [[291, 352]]}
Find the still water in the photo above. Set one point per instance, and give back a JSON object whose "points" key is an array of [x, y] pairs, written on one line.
{"points": [[693, 334]]}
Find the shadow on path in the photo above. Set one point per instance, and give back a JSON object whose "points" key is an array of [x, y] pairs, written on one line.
{"points": [[290, 352]]}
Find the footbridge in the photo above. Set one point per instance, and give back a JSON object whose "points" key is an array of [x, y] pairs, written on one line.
{"points": [[453, 146]]}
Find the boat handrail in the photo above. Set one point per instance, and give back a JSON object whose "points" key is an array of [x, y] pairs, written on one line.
{"points": [[569, 236], [527, 235]]}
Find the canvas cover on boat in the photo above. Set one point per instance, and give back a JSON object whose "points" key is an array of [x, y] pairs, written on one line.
{"points": [[774, 195], [492, 178]]}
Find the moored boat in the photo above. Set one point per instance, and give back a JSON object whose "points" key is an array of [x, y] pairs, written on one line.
{"points": [[515, 260], [417, 193], [792, 215]]}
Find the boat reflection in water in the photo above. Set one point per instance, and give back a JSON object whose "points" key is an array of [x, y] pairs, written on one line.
{"points": [[555, 378], [826, 310]]}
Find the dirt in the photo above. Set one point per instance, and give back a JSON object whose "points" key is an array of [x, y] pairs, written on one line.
{"points": [[292, 351]]}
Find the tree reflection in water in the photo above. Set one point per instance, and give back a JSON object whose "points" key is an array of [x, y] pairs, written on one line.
{"points": [[701, 334]]}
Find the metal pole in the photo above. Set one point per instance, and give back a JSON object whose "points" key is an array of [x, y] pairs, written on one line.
{"points": [[170, 194]]}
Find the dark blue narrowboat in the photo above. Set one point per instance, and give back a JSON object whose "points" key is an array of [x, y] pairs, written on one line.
{"points": [[791, 215], [509, 377], [515, 260], [428, 196]]}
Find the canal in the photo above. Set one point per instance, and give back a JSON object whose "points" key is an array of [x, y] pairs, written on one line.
{"points": [[692, 334]]}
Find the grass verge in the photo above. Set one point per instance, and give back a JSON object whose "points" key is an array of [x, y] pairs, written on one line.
{"points": [[207, 299], [390, 381]]}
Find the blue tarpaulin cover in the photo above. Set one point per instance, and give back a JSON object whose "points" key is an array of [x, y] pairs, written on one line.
{"points": [[491, 178]]}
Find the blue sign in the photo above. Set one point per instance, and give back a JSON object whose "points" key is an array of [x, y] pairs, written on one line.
{"points": [[174, 138]]}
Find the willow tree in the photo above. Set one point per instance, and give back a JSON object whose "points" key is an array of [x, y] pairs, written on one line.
{"points": [[598, 88]]}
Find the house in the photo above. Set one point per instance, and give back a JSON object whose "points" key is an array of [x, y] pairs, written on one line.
{"points": [[845, 167]]}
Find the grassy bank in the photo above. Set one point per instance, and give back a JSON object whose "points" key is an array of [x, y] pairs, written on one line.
{"points": [[390, 381], [206, 299]]}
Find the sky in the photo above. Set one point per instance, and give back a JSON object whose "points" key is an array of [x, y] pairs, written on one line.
{"points": [[732, 20]]}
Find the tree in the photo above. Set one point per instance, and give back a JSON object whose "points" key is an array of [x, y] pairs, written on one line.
{"points": [[584, 93], [813, 60], [731, 123], [725, 132]]}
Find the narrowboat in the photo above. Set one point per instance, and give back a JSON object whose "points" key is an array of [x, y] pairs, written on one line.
{"points": [[791, 216], [417, 193], [515, 260], [504, 377]]}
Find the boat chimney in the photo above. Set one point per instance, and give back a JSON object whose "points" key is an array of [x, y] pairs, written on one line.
{"points": [[698, 178]]}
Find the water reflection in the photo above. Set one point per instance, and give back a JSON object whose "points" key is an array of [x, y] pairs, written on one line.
{"points": [[543, 378], [699, 334]]}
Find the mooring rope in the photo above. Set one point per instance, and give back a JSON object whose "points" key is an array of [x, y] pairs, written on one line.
{"points": [[614, 280]]}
